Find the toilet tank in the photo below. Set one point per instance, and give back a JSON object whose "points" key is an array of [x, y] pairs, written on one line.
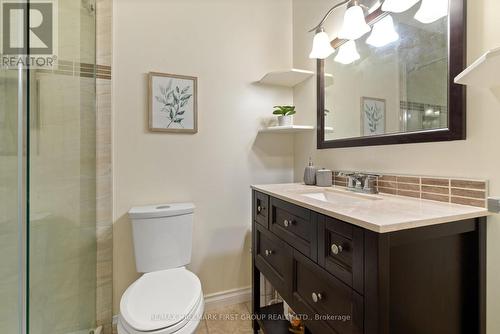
{"points": [[162, 236]]}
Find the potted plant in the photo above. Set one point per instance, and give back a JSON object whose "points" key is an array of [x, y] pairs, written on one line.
{"points": [[285, 115]]}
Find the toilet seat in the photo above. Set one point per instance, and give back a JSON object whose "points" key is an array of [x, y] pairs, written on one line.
{"points": [[162, 302]]}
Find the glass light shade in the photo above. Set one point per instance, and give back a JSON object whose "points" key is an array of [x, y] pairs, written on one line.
{"points": [[383, 33], [347, 53], [354, 24], [432, 10], [322, 48], [398, 6]]}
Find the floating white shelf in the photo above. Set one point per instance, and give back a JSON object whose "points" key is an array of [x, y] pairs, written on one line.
{"points": [[287, 78], [287, 129], [291, 78], [484, 72]]}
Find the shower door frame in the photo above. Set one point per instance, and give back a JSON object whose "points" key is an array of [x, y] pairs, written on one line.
{"points": [[23, 158]]}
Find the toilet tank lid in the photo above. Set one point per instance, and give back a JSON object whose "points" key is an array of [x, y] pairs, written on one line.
{"points": [[161, 210]]}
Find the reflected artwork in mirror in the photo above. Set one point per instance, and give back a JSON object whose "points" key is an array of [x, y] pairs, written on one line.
{"points": [[395, 85]]}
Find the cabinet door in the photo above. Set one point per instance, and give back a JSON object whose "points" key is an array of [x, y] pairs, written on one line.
{"points": [[261, 208], [296, 225], [273, 258], [341, 251], [331, 305]]}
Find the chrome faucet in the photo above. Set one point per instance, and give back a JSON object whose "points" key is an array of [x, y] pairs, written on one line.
{"points": [[361, 182]]}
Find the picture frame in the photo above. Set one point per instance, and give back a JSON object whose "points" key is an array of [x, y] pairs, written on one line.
{"points": [[373, 116], [173, 103]]}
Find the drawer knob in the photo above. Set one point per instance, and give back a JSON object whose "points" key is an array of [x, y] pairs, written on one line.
{"points": [[336, 249], [287, 223], [316, 297], [259, 209], [268, 252]]}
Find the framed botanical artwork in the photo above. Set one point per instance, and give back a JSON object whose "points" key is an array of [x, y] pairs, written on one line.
{"points": [[372, 116], [173, 103]]}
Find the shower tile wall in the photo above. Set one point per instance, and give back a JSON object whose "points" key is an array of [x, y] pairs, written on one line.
{"points": [[104, 298]]}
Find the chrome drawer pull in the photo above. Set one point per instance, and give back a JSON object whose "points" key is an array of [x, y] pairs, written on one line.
{"points": [[316, 297], [259, 209], [269, 252], [336, 250], [287, 223]]}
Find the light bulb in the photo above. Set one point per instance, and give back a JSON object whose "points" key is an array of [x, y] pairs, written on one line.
{"points": [[383, 33], [432, 10], [322, 47], [398, 6], [347, 53], [354, 24]]}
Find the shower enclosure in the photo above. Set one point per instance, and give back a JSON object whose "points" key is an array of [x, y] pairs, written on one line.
{"points": [[47, 167]]}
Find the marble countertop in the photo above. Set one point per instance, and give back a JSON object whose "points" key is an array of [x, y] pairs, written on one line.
{"points": [[380, 213]]}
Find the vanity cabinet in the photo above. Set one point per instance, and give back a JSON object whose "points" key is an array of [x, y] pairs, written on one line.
{"points": [[350, 280]]}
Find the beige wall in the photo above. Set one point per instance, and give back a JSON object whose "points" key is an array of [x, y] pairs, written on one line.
{"points": [[227, 44], [477, 157]]}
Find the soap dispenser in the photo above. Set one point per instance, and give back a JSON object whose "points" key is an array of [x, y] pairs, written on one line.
{"points": [[310, 174]]}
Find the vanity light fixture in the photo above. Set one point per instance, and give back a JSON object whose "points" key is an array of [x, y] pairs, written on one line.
{"points": [[322, 47], [432, 10], [348, 53], [398, 6], [354, 27], [383, 32]]}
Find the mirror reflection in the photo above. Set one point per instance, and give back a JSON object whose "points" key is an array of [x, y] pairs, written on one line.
{"points": [[392, 80]]}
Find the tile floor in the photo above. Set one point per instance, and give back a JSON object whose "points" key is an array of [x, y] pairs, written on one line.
{"points": [[234, 319], [227, 320]]}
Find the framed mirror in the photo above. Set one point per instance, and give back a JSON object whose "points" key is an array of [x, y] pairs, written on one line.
{"points": [[395, 84]]}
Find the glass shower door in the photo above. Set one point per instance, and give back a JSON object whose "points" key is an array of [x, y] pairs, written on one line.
{"points": [[12, 214], [48, 159], [62, 173]]}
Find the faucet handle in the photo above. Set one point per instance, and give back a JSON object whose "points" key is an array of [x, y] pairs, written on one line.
{"points": [[370, 183]]}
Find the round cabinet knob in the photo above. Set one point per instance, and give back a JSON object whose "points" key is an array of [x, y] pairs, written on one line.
{"points": [[316, 297], [336, 249], [269, 252], [259, 209], [286, 223]]}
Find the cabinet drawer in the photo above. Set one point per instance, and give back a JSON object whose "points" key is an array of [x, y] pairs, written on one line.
{"points": [[318, 294], [273, 258], [296, 225], [261, 208], [341, 251]]}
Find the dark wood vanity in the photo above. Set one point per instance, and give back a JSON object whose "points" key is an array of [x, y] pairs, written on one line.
{"points": [[351, 280]]}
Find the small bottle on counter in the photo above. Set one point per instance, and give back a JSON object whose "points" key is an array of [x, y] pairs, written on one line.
{"points": [[310, 174]]}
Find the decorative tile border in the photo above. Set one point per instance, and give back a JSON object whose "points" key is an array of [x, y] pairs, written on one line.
{"points": [[407, 105], [84, 70], [449, 190]]}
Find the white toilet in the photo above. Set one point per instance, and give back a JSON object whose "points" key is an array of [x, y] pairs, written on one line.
{"points": [[168, 298]]}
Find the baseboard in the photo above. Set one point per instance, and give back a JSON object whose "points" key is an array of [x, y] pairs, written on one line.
{"points": [[227, 298]]}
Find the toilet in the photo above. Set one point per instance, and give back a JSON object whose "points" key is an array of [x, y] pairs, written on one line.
{"points": [[168, 298]]}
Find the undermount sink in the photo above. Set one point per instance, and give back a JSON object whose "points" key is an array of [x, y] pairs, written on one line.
{"points": [[338, 196]]}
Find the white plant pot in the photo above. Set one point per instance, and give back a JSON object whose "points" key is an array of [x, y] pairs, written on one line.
{"points": [[285, 120]]}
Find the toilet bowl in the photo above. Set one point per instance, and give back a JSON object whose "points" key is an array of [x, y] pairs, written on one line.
{"points": [[168, 298], [162, 302]]}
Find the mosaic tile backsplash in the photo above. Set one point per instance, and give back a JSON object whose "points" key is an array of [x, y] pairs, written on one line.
{"points": [[450, 190]]}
